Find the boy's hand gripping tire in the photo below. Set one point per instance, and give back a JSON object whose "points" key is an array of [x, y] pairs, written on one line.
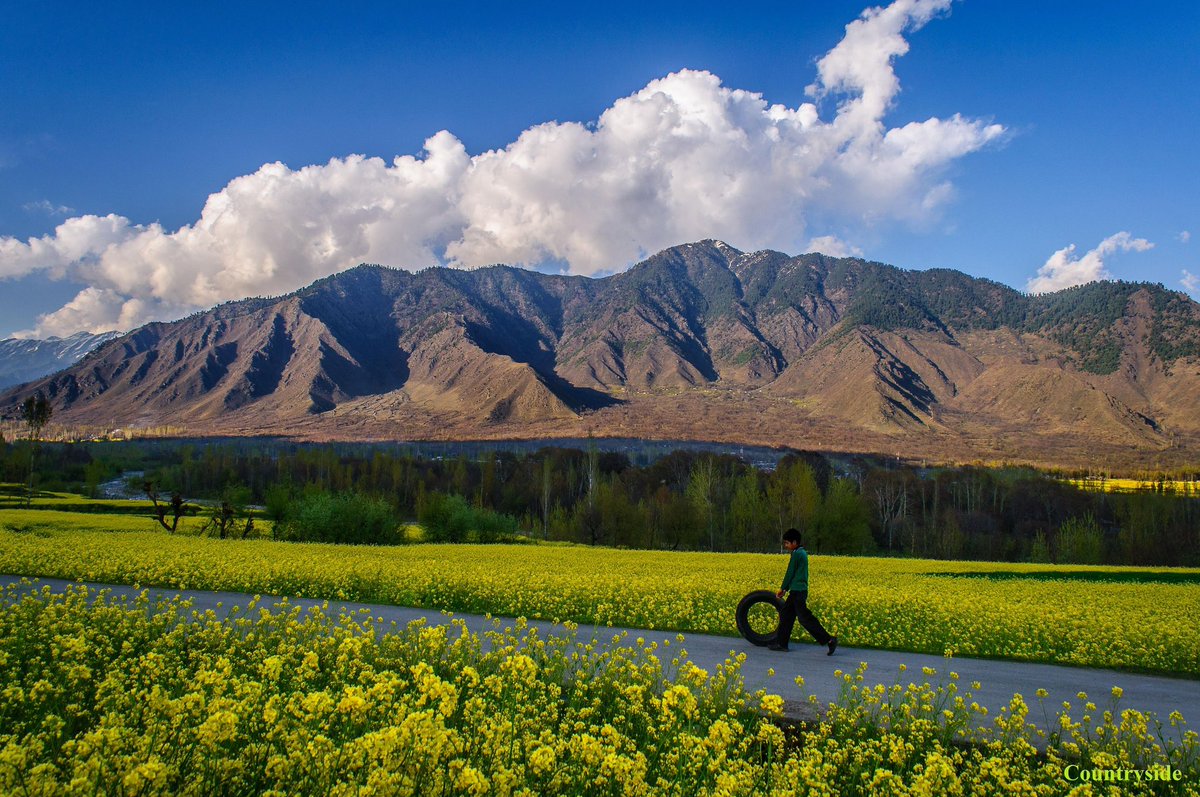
{"points": [[743, 617]]}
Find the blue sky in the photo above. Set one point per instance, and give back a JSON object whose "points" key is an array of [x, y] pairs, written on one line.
{"points": [[1071, 129]]}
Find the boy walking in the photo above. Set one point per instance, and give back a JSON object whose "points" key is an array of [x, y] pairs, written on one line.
{"points": [[795, 583]]}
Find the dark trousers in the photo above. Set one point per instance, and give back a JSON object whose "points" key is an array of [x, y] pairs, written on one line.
{"points": [[796, 607]]}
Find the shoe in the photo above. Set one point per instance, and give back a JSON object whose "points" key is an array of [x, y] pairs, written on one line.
{"points": [[777, 646], [832, 645]]}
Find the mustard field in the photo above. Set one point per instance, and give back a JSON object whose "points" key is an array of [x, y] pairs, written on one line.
{"points": [[1118, 485], [1140, 619], [39, 522], [133, 698]]}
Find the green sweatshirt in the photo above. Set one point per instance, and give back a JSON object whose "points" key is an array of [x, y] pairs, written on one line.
{"points": [[796, 577]]}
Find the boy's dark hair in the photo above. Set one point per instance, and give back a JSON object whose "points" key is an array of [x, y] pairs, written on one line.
{"points": [[791, 535]]}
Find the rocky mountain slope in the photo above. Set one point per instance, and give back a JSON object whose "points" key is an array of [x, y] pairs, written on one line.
{"points": [[700, 341]]}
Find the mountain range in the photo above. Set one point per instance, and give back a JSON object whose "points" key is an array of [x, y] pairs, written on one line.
{"points": [[23, 359], [700, 341]]}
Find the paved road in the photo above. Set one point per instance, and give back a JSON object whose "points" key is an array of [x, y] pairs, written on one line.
{"points": [[999, 679]]}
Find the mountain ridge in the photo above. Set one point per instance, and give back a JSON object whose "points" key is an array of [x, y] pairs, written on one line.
{"points": [[25, 359], [699, 341]]}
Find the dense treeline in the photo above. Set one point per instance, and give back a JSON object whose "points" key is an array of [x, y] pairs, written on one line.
{"points": [[685, 500]]}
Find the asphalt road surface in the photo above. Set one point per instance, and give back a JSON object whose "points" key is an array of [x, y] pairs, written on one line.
{"points": [[999, 679]]}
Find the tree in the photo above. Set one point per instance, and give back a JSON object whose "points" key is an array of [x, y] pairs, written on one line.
{"points": [[177, 507], [1144, 536], [93, 473], [843, 524], [793, 496], [677, 520], [589, 525], [948, 536], [621, 521], [1039, 552], [593, 471], [445, 517], [700, 492], [751, 516], [223, 521], [36, 412], [547, 483], [1080, 541], [889, 493]]}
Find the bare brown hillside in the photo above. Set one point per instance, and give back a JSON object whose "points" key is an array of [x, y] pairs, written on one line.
{"points": [[698, 342]]}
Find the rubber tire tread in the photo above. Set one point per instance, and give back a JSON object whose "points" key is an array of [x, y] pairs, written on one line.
{"points": [[743, 616]]}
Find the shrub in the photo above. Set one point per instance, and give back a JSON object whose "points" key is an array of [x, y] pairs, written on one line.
{"points": [[340, 518], [1080, 541], [277, 500], [449, 518]]}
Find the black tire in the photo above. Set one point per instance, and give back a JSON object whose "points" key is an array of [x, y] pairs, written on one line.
{"points": [[743, 617]]}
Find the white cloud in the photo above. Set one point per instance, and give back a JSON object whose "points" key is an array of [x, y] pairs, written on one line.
{"points": [[1063, 270], [1190, 283], [833, 246], [1185, 236], [98, 310], [76, 244], [682, 159], [48, 207]]}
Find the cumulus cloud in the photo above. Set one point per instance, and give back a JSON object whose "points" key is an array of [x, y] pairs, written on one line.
{"points": [[97, 310], [833, 246], [78, 242], [682, 159], [1190, 283], [1063, 269]]}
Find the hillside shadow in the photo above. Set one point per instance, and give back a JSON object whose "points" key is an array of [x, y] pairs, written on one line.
{"points": [[522, 342]]}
